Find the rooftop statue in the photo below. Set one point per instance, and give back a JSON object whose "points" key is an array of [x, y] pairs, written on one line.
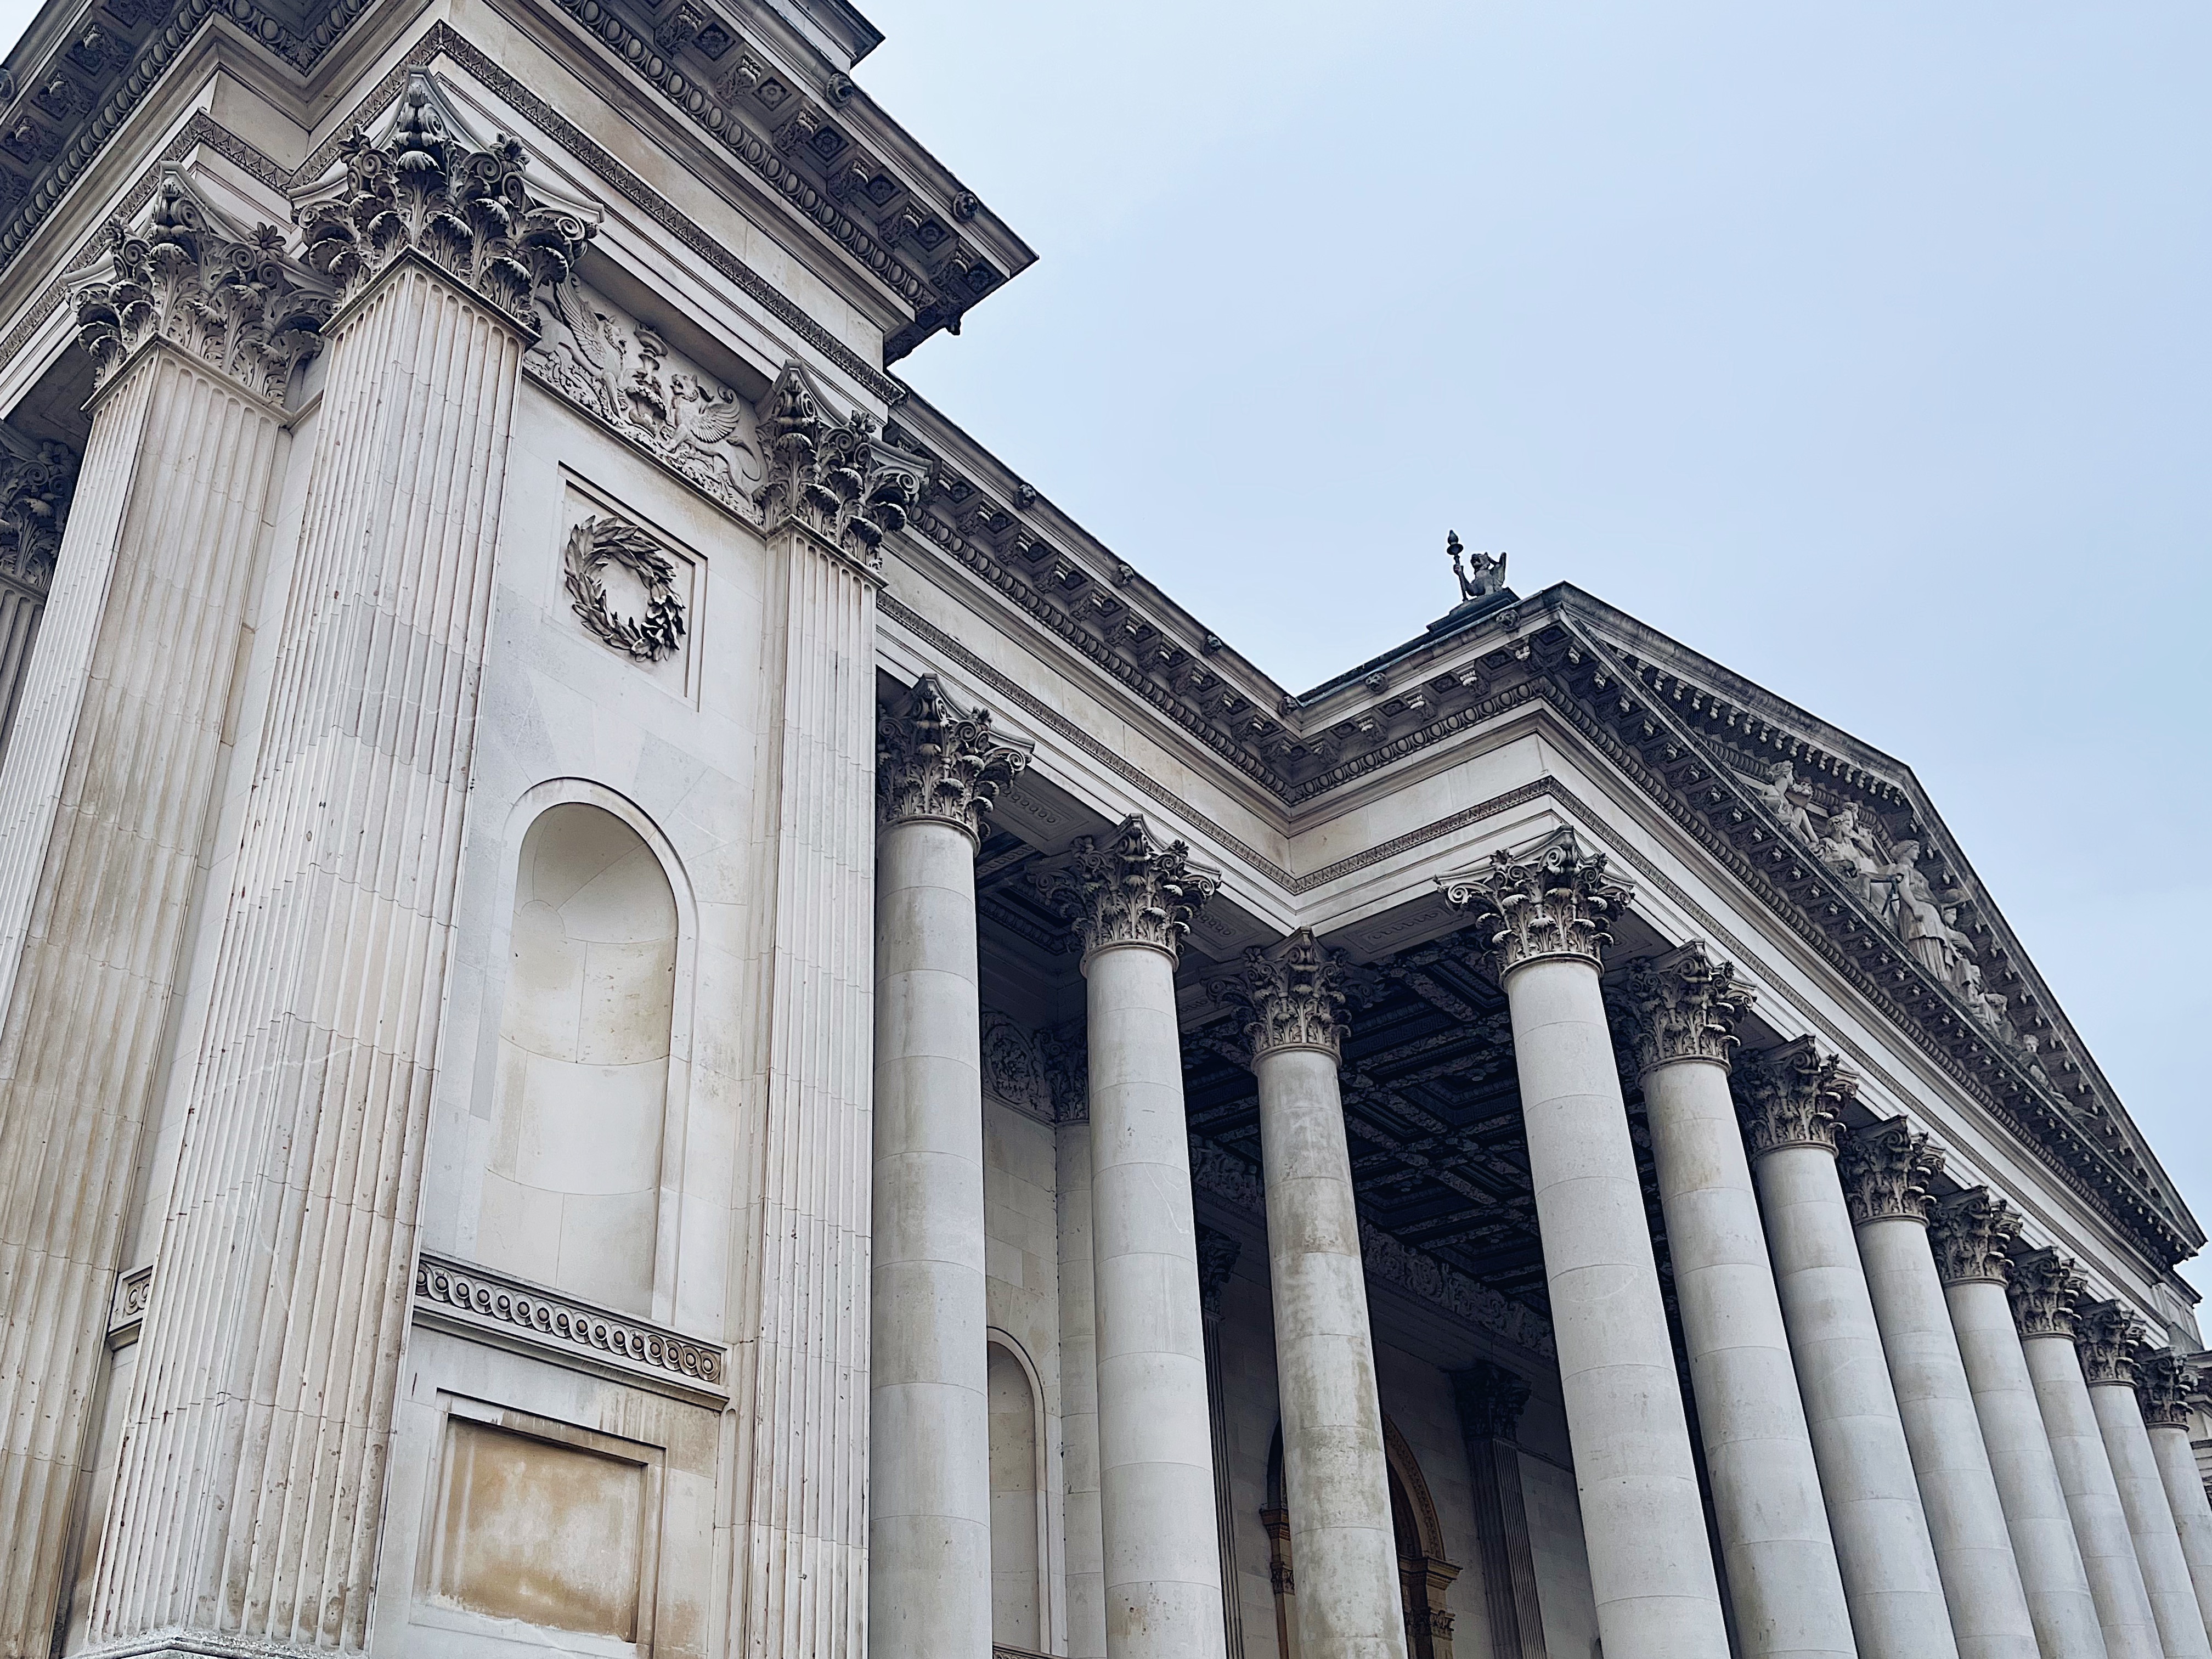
{"points": [[1489, 574]]}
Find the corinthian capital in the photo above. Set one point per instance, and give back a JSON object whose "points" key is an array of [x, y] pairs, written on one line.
{"points": [[1682, 1005], [1128, 888], [427, 186], [937, 760], [1549, 899], [1292, 994], [1791, 1096], [2046, 1291], [1972, 1234], [2106, 1336], [832, 474], [1886, 1169], [1217, 1258], [226, 297], [36, 482], [2165, 1387]]}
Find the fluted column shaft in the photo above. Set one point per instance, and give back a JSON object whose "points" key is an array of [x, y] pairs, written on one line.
{"points": [[2185, 1498], [1652, 1571], [1335, 1473], [2044, 1289], [1888, 1559], [1783, 1579], [1130, 899], [1886, 1169], [1078, 1397], [929, 1497], [112, 768]]}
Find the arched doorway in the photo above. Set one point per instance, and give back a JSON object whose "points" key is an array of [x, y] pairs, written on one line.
{"points": [[1425, 1575]]}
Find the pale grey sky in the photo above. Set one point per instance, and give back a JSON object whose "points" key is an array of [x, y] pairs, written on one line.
{"points": [[1863, 347]]}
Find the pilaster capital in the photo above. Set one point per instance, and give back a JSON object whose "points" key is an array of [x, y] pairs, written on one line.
{"points": [[2166, 1387], [1792, 1095], [37, 481], [1217, 1258], [1682, 1005], [2107, 1336], [1128, 888], [225, 297], [1491, 1399], [834, 475], [1549, 899], [2046, 1291], [1972, 1234], [1292, 994], [1886, 1168], [937, 761], [426, 185]]}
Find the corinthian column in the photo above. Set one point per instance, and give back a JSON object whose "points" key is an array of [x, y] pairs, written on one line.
{"points": [[1542, 913], [1681, 1011], [939, 768], [1790, 1100], [2106, 1336], [1886, 1169], [194, 328], [1337, 1477], [1970, 1234], [1130, 900], [2046, 1291], [2165, 1385], [250, 1492]]}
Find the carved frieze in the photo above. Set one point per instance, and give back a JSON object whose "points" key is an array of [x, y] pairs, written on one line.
{"points": [[2166, 1387], [427, 186], [2046, 1289], [1972, 1234], [1291, 994], [1128, 888], [224, 296], [834, 475], [1682, 1006], [1549, 900], [37, 480], [654, 398], [1792, 1097], [1015, 1069], [936, 760], [1886, 1168], [598, 544], [2107, 1335]]}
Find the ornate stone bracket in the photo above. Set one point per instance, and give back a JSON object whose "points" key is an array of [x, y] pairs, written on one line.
{"points": [[427, 186], [1682, 1006], [226, 297], [37, 480], [2107, 1335], [1972, 1234], [2046, 1291], [1292, 994], [1886, 1169], [1128, 888], [1792, 1097], [836, 477], [1551, 899], [2165, 1387], [936, 760]]}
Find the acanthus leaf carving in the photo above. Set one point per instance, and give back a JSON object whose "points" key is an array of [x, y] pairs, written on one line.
{"points": [[1682, 1005], [1490, 1400], [37, 480], [1552, 899], [1128, 888], [1886, 1168], [938, 761], [1217, 1258], [834, 476], [2166, 1387], [1292, 994], [2107, 1335], [1791, 1096], [1972, 1234], [2046, 1289]]}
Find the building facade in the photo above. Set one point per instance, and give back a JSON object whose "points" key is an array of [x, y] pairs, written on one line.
{"points": [[649, 1009]]}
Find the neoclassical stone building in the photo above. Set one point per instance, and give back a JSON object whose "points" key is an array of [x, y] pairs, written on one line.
{"points": [[649, 1009]]}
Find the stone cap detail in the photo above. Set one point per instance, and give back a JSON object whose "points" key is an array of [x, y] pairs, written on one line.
{"points": [[1972, 1234], [1791, 1096], [2046, 1289], [1682, 1006], [2107, 1336], [1128, 888], [937, 761], [2166, 1387], [1551, 899], [1292, 994], [1491, 1399], [1886, 1168]]}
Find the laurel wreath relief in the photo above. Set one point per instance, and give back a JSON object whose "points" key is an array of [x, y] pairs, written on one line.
{"points": [[596, 543]]}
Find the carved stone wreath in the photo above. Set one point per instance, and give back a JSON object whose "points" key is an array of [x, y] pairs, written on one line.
{"points": [[592, 546]]}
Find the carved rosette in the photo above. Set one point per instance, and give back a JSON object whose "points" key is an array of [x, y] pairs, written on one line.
{"points": [[1792, 1097], [2166, 1387], [1972, 1234], [2046, 1289], [37, 481], [1128, 888], [2106, 1336], [1682, 1005], [1491, 1399], [1550, 900], [428, 189], [1292, 994], [937, 761], [1886, 1168], [1217, 1257], [229, 299], [834, 476]]}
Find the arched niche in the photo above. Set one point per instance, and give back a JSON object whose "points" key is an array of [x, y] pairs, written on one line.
{"points": [[573, 1173], [1021, 1610]]}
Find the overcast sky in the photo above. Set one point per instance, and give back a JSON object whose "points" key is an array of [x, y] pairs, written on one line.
{"points": [[1863, 347]]}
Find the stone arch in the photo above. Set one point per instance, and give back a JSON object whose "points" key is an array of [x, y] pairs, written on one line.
{"points": [[1021, 1577]]}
